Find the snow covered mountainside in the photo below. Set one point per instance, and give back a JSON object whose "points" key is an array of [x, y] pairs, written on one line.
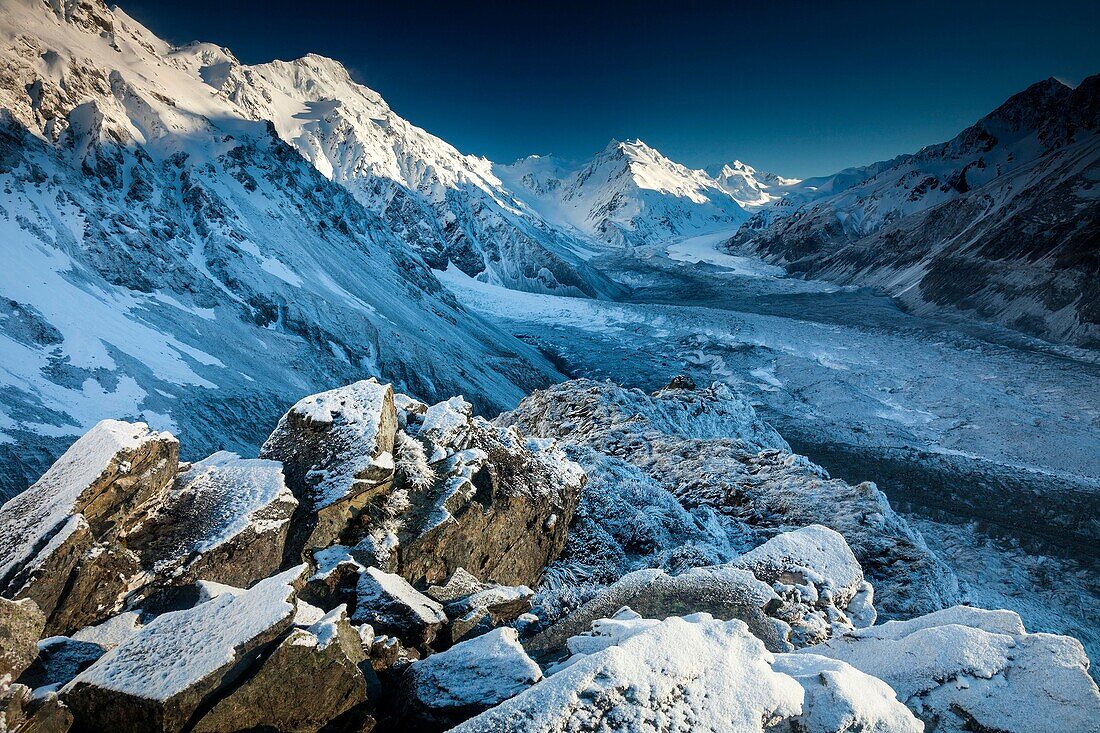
{"points": [[450, 207], [168, 257], [627, 195], [751, 188], [1002, 221]]}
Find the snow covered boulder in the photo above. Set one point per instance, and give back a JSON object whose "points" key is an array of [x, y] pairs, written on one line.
{"points": [[57, 538], [311, 678], [21, 625], [815, 572], [225, 519], [680, 674], [60, 659], [156, 679], [470, 677], [336, 448], [839, 698], [391, 606], [967, 669], [722, 591]]}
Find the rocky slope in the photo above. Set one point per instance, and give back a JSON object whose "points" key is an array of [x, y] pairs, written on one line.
{"points": [[627, 195], [165, 251], [326, 586], [1001, 221]]}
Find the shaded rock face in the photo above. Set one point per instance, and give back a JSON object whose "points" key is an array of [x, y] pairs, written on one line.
{"points": [[58, 538], [21, 625], [422, 490], [159, 677], [685, 478], [312, 677], [470, 677]]}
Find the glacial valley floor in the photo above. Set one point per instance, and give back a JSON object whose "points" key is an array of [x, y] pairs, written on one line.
{"points": [[987, 441]]}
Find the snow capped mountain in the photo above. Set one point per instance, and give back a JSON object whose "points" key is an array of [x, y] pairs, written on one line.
{"points": [[1001, 220], [450, 207], [628, 194], [168, 257], [751, 188]]}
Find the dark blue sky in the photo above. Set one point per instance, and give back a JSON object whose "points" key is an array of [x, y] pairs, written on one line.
{"points": [[800, 88]]}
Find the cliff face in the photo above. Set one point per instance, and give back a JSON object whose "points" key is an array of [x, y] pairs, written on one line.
{"points": [[1002, 221]]}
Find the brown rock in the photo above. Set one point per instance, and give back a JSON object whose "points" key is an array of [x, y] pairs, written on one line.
{"points": [[310, 679], [157, 678], [21, 625], [65, 525]]}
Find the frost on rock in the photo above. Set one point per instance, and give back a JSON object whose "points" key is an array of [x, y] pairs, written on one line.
{"points": [[157, 678], [391, 606], [680, 674], [57, 537], [726, 470], [470, 677], [723, 591], [311, 678], [814, 567], [224, 520], [336, 448], [838, 698], [965, 669]]}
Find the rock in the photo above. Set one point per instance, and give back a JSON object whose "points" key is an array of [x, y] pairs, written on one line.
{"points": [[21, 625], [47, 714], [391, 606], [156, 679], [838, 697], [499, 507], [422, 490], [681, 381], [336, 448], [387, 653], [966, 669], [311, 678], [14, 699], [475, 607], [335, 579], [724, 592], [679, 674], [470, 677], [686, 478], [57, 538], [815, 572], [60, 659], [225, 519]]}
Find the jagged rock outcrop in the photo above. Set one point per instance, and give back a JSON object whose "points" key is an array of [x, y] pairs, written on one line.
{"points": [[311, 678], [469, 678], [475, 607], [692, 477], [224, 520], [58, 539], [157, 679], [966, 669], [423, 490]]}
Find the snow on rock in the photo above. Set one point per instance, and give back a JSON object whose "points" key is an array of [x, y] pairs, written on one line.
{"points": [[839, 698], [391, 606], [681, 457], [225, 520], [475, 607], [696, 674], [310, 679], [724, 592], [964, 669], [470, 677], [814, 565], [56, 538], [157, 678], [336, 448]]}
